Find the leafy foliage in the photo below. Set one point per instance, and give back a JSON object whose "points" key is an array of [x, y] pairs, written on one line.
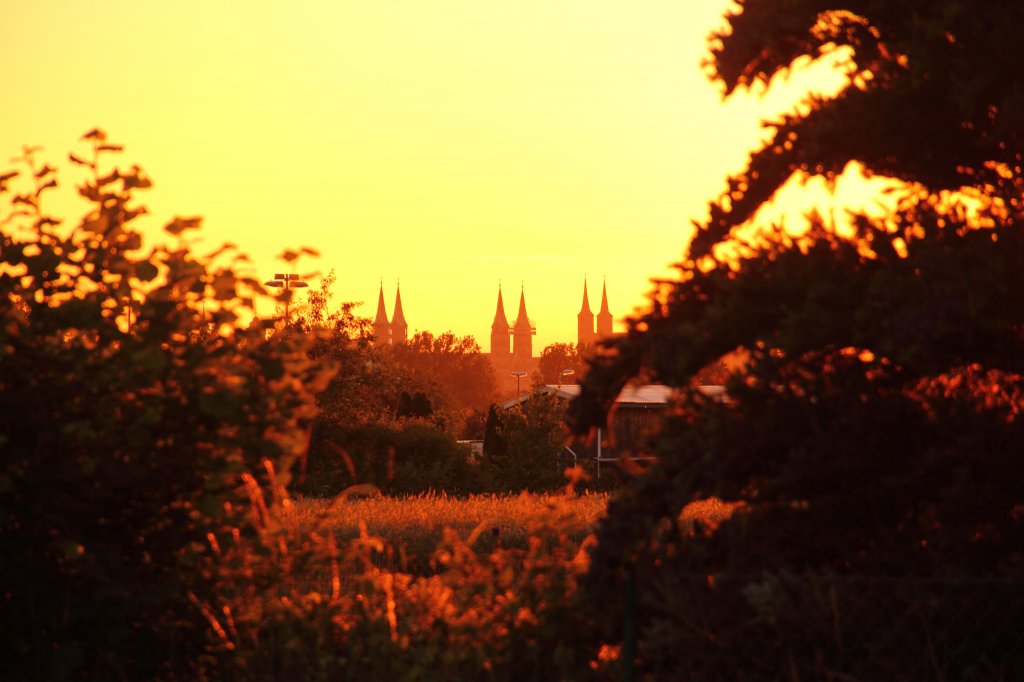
{"points": [[557, 357], [412, 457], [376, 423], [131, 401], [874, 430], [451, 372], [521, 445], [367, 385]]}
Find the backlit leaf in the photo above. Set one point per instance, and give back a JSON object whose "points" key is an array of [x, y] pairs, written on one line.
{"points": [[179, 225]]}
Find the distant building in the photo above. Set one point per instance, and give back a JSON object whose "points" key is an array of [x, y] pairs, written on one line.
{"points": [[501, 342], [522, 332], [586, 332], [636, 414], [512, 345], [517, 356], [604, 317], [397, 330]]}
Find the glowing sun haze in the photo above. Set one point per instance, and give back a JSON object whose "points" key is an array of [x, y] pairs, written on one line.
{"points": [[450, 143]]}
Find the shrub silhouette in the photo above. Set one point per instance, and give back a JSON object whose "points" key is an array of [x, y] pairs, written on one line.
{"points": [[874, 432], [131, 402]]}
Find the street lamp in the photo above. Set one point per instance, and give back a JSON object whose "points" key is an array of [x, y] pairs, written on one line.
{"points": [[518, 376], [286, 282]]}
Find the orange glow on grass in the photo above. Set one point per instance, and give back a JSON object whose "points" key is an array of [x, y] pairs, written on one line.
{"points": [[710, 513]]}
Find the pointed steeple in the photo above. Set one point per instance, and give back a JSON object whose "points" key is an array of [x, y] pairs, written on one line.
{"points": [[584, 321], [604, 318], [399, 328], [500, 321], [500, 330], [585, 308], [381, 328], [522, 320], [522, 333]]}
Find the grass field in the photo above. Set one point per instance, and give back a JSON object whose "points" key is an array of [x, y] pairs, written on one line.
{"points": [[414, 525]]}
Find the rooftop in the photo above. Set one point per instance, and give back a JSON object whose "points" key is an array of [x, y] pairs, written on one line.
{"points": [[645, 395]]}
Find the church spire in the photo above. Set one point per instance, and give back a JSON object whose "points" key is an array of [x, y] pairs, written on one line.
{"points": [[522, 320], [584, 321], [399, 328], [604, 318], [585, 308], [522, 333], [500, 321], [500, 329], [381, 328]]}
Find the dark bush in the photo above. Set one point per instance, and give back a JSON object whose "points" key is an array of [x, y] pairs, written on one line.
{"points": [[398, 459], [132, 405]]}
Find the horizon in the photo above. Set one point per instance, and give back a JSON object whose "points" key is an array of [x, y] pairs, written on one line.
{"points": [[450, 147]]}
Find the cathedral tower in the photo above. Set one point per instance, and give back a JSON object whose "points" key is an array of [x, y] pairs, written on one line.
{"points": [[500, 330], [522, 333], [399, 328], [584, 322], [604, 318], [381, 328]]}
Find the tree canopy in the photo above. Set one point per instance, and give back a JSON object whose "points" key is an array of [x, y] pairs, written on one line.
{"points": [[874, 430], [451, 371], [557, 357]]}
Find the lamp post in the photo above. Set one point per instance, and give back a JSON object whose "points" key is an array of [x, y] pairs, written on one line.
{"points": [[286, 282], [518, 375]]}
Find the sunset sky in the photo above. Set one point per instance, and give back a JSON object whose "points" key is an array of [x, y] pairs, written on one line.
{"points": [[451, 144]]}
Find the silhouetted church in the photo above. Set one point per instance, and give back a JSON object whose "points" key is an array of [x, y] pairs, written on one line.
{"points": [[586, 334], [512, 345], [397, 330]]}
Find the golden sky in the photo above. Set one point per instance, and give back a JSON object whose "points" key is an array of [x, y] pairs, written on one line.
{"points": [[451, 143]]}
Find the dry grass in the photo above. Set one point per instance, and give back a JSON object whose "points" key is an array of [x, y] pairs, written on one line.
{"points": [[414, 525]]}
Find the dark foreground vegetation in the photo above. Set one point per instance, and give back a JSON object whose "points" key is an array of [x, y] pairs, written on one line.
{"points": [[865, 473], [875, 437]]}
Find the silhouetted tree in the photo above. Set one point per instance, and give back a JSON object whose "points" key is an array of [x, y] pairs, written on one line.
{"points": [[449, 370], [521, 445], [494, 445], [473, 428], [421, 406], [404, 405], [556, 357], [874, 431], [368, 386]]}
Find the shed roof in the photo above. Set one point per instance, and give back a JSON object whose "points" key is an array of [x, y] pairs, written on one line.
{"points": [[645, 395]]}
